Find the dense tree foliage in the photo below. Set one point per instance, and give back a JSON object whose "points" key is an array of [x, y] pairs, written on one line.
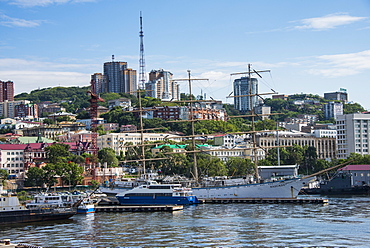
{"points": [[350, 108], [3, 176], [72, 98], [34, 177], [107, 155], [310, 104]]}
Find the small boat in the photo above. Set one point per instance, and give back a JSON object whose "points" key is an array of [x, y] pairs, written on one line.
{"points": [[62, 200], [11, 211], [153, 193], [86, 206]]}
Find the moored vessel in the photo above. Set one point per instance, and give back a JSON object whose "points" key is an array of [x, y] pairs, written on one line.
{"points": [[153, 193], [11, 211]]}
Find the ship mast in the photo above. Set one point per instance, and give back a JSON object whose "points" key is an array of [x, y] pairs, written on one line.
{"points": [[195, 167], [253, 114]]}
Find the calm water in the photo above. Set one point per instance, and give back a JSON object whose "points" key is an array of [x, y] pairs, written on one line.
{"points": [[344, 222]]}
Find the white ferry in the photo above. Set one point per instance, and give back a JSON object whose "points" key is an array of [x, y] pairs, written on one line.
{"points": [[154, 194]]}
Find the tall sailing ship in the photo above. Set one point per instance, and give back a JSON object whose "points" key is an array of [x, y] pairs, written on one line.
{"points": [[239, 188], [288, 188]]}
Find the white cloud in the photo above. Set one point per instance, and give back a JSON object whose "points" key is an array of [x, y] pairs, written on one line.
{"points": [[328, 21], [28, 75], [15, 64], [26, 81], [343, 64], [43, 3], [16, 22]]}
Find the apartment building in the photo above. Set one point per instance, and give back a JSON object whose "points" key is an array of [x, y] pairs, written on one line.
{"points": [[353, 134]]}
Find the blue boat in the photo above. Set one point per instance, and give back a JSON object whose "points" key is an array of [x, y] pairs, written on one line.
{"points": [[157, 194], [87, 206]]}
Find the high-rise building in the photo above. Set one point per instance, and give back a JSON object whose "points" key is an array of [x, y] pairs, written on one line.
{"points": [[353, 134], [161, 86], [6, 91], [332, 110], [98, 81], [117, 78], [243, 89]]}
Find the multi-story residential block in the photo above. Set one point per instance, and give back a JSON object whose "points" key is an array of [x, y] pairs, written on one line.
{"points": [[6, 91], [325, 146], [118, 78], [12, 159], [245, 90], [29, 111], [353, 134], [162, 86], [332, 110], [7, 108], [118, 141]]}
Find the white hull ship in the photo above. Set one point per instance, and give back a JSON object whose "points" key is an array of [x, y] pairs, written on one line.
{"points": [[279, 189]]}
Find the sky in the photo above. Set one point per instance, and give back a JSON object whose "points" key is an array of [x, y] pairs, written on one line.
{"points": [[309, 47]]}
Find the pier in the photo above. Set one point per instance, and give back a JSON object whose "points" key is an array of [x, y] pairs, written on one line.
{"points": [[265, 200], [149, 208]]}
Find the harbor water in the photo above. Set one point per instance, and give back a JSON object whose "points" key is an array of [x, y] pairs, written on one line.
{"points": [[344, 222]]}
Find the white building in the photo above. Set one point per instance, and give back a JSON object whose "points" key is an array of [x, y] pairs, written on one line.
{"points": [[118, 141], [121, 102], [162, 86], [324, 133], [353, 134], [241, 151], [332, 110], [12, 159]]}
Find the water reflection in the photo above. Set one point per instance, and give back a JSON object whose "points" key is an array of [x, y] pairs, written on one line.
{"points": [[344, 222]]}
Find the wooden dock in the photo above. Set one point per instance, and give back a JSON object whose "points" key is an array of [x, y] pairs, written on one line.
{"points": [[265, 200], [152, 208]]}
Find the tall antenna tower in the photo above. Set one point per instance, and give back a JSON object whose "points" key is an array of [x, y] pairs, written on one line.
{"points": [[142, 77]]}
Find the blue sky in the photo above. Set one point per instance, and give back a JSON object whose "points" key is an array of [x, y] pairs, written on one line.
{"points": [[311, 46]]}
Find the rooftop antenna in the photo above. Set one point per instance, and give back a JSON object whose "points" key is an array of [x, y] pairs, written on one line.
{"points": [[142, 78]]}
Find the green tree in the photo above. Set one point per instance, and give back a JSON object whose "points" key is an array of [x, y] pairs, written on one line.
{"points": [[50, 175], [72, 174], [48, 121], [58, 152], [108, 155], [351, 108], [239, 166], [265, 125], [308, 165], [210, 166], [3, 176], [34, 177]]}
